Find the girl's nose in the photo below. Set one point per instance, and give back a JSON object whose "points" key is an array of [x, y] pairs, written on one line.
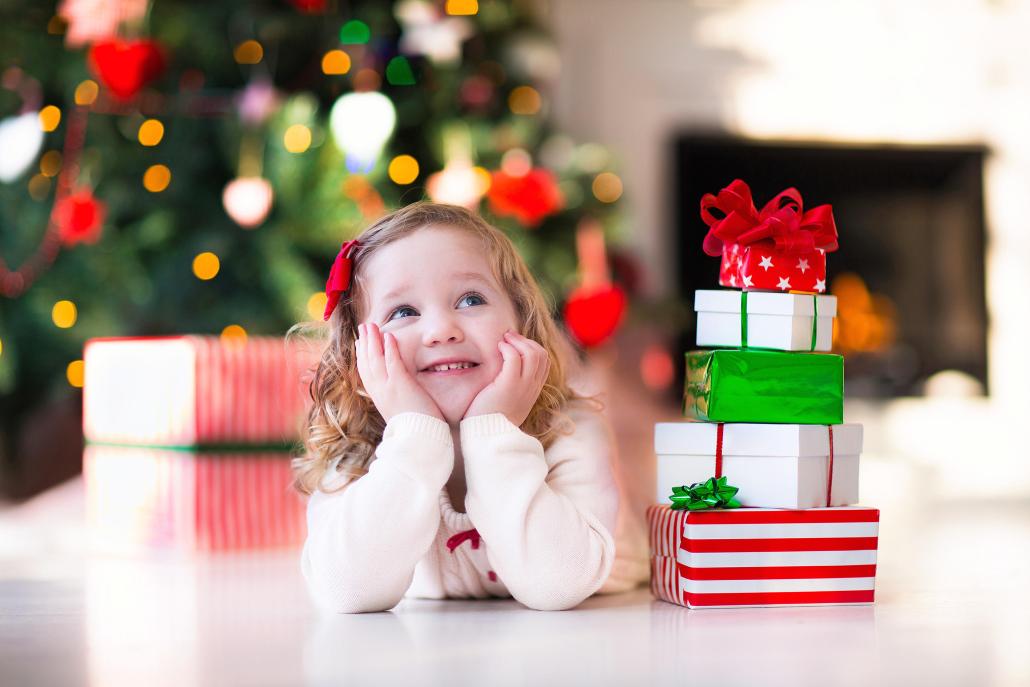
{"points": [[441, 329]]}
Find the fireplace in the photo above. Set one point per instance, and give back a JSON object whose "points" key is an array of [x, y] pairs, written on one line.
{"points": [[909, 275]]}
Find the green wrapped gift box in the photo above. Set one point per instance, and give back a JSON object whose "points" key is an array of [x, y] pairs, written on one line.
{"points": [[733, 385]]}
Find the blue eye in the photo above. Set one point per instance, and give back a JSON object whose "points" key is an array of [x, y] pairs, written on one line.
{"points": [[399, 312], [471, 299]]}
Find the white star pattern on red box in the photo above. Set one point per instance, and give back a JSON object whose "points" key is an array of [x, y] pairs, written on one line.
{"points": [[760, 266]]}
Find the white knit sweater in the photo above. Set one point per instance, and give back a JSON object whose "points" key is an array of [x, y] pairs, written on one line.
{"points": [[543, 520]]}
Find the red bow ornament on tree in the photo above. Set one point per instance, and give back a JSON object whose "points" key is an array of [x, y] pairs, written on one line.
{"points": [[780, 247], [339, 276]]}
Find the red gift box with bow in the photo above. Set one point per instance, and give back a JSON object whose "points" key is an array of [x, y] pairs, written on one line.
{"points": [[780, 247]]}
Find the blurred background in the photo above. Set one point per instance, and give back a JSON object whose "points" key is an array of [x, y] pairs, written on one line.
{"points": [[173, 167]]}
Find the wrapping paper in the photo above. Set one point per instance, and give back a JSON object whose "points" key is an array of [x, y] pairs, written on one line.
{"points": [[758, 557], [774, 466], [759, 319], [762, 266], [141, 499], [194, 391], [725, 385]]}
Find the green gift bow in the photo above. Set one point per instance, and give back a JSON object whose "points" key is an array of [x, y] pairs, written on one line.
{"points": [[714, 493]]}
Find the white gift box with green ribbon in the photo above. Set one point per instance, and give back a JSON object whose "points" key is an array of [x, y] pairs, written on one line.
{"points": [[764, 319]]}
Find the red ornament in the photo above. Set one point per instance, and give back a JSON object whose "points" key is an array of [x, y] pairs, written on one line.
{"points": [[594, 313], [125, 67], [528, 198], [310, 6], [79, 218]]}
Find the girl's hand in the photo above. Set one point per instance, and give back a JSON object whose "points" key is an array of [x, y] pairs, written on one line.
{"points": [[385, 378], [517, 386]]}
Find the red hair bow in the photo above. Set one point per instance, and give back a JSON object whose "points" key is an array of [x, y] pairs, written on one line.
{"points": [[339, 277], [781, 220]]}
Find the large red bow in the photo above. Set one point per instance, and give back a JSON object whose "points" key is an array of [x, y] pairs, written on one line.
{"points": [[339, 277], [781, 220]]}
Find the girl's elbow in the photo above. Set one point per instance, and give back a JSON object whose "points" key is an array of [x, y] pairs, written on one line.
{"points": [[343, 599]]}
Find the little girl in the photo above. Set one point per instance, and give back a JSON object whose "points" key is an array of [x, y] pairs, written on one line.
{"points": [[446, 455]]}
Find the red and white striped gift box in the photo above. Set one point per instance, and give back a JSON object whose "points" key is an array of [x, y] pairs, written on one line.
{"points": [[763, 557], [146, 498], [194, 390]]}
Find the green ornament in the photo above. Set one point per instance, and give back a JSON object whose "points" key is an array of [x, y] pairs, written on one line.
{"points": [[713, 493], [398, 72], [355, 32]]}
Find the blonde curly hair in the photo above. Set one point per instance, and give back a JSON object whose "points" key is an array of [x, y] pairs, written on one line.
{"points": [[344, 427]]}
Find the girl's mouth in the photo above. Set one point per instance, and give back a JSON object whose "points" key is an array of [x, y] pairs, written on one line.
{"points": [[450, 368]]}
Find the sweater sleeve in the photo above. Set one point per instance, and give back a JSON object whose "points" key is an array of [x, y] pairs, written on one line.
{"points": [[364, 541], [547, 519]]}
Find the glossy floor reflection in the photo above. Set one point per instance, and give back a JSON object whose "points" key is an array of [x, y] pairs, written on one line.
{"points": [[952, 609]]}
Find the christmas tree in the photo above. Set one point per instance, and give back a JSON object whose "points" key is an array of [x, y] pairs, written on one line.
{"points": [[174, 166]]}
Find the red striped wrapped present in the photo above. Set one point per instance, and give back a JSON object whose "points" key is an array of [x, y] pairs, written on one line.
{"points": [[762, 557], [147, 498], [194, 391]]}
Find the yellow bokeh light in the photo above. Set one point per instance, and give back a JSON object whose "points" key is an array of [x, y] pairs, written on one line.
{"points": [[248, 52], [524, 100], [462, 7], [206, 266], [49, 117], [316, 305], [64, 314], [39, 187], [1, 346], [151, 132], [86, 92], [50, 163], [403, 169], [234, 335], [76, 373], [157, 178], [335, 62], [483, 179], [297, 138], [607, 187]]}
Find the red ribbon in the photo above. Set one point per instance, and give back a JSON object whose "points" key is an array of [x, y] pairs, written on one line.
{"points": [[782, 220], [462, 537], [718, 450], [339, 277], [829, 470]]}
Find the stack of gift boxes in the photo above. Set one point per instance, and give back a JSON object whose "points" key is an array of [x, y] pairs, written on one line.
{"points": [[756, 491], [188, 442]]}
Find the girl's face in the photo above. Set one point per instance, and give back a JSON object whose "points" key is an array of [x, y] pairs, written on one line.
{"points": [[435, 291]]}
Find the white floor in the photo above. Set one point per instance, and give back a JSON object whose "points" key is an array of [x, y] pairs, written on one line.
{"points": [[953, 608]]}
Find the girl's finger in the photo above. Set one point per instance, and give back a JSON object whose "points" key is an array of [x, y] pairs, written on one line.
{"points": [[394, 365], [530, 357], [376, 357], [511, 368]]}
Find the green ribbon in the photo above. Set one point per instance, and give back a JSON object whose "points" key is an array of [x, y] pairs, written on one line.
{"points": [[743, 320], [815, 319], [228, 447], [713, 493]]}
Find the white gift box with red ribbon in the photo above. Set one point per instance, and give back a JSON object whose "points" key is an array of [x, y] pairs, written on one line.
{"points": [[760, 557], [773, 465], [194, 390], [764, 319]]}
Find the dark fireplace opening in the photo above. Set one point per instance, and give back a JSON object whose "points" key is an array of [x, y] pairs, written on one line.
{"points": [[909, 274]]}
